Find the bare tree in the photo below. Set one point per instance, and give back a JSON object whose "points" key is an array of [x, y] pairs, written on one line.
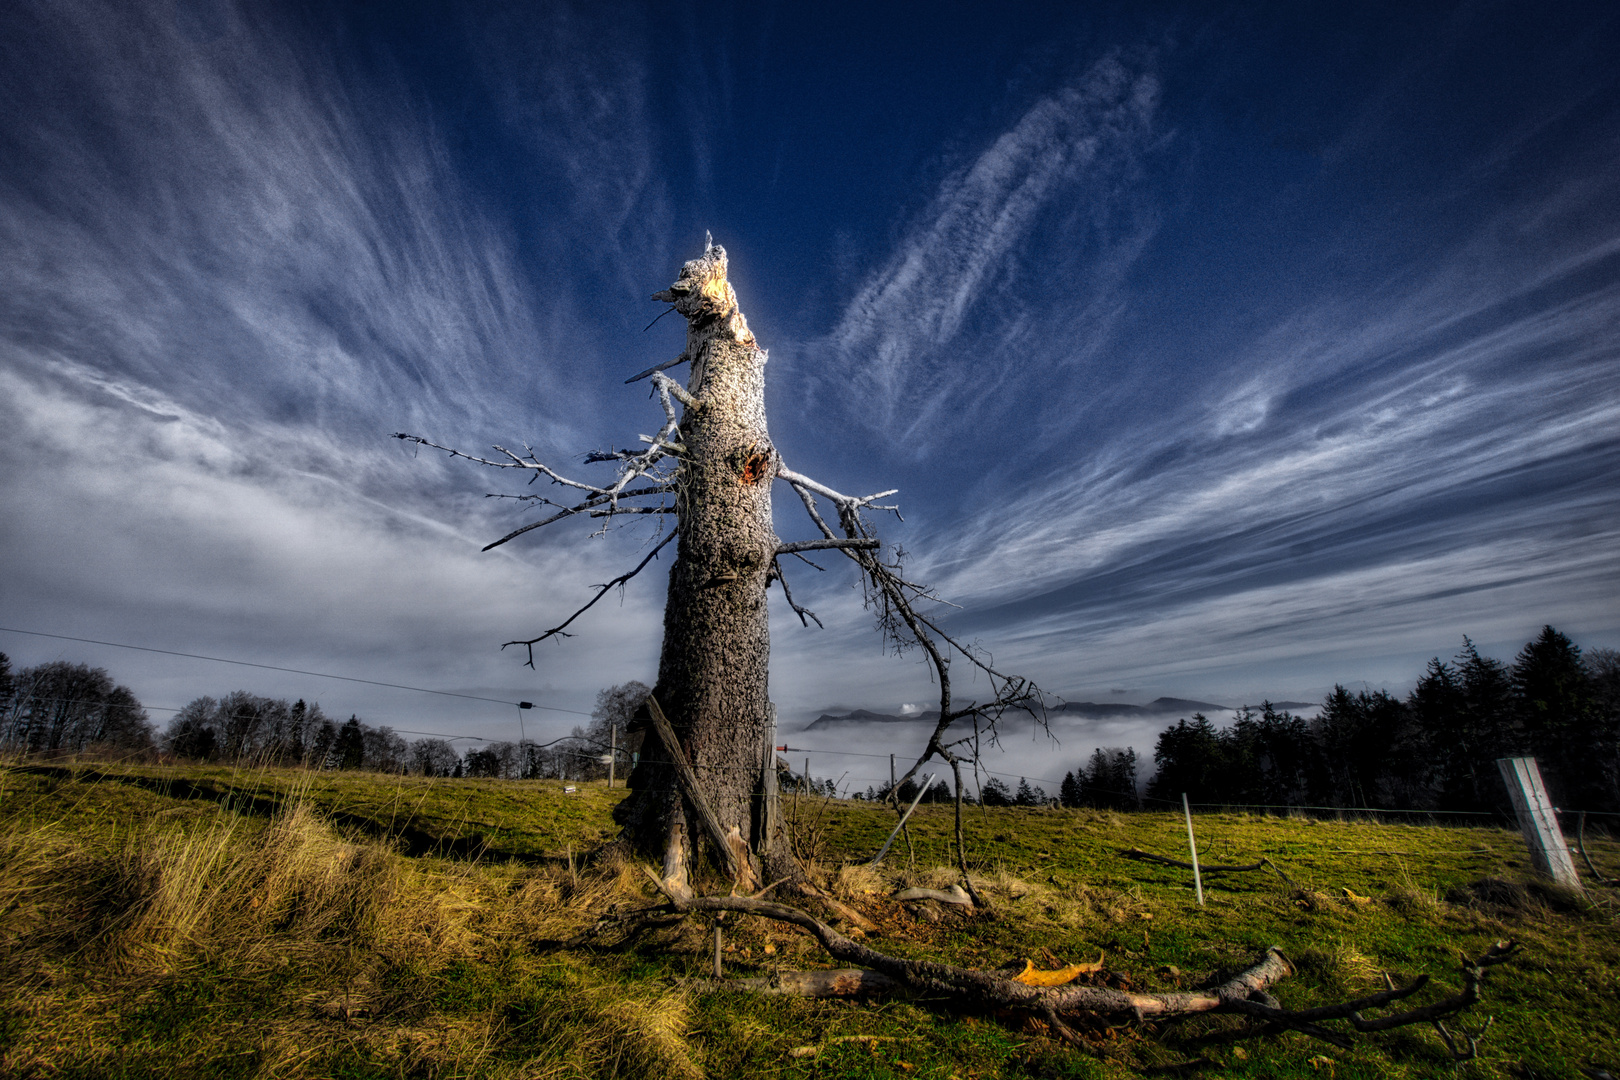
{"points": [[707, 763], [711, 465]]}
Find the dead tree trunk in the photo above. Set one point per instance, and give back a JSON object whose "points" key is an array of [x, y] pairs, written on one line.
{"points": [[716, 461], [712, 674]]}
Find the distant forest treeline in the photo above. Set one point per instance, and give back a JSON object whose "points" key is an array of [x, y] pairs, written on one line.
{"points": [[1435, 749], [61, 709]]}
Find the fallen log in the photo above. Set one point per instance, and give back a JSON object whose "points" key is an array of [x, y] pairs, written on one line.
{"points": [[1245, 993]]}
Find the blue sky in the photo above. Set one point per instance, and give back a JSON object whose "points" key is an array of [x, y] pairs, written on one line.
{"points": [[1223, 352]]}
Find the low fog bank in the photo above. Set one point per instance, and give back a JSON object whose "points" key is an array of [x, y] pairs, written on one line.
{"points": [[855, 753]]}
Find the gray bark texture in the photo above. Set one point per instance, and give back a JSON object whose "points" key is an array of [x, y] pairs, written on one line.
{"points": [[713, 671]]}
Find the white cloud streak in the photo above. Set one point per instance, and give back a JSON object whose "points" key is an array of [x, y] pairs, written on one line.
{"points": [[899, 340], [234, 265]]}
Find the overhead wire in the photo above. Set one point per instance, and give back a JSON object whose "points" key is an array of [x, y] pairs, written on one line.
{"points": [[293, 671]]}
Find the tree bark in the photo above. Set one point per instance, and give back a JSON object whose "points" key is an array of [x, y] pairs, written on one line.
{"points": [[713, 671]]}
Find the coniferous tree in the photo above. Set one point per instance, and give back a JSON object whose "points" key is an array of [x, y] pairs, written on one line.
{"points": [[1357, 739], [322, 742], [1604, 667], [349, 750], [5, 686], [1190, 760], [995, 793], [297, 726], [1555, 700], [1071, 792]]}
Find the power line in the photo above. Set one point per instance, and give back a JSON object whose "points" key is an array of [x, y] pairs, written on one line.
{"points": [[293, 671]]}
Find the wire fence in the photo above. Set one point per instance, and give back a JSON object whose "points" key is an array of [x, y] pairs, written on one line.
{"points": [[844, 782]]}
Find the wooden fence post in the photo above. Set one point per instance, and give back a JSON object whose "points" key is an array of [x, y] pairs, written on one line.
{"points": [[768, 784], [1549, 853]]}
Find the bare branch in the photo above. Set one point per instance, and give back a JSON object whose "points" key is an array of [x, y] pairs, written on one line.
{"points": [[656, 368], [824, 545], [735, 862], [894, 599], [616, 511], [665, 383], [601, 591], [804, 613]]}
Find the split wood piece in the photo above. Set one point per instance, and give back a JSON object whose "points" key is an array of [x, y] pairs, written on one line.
{"points": [[726, 845], [954, 895], [843, 910], [1061, 977], [1147, 856], [1245, 993]]}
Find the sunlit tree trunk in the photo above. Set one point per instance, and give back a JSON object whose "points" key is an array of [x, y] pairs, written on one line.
{"points": [[713, 672]]}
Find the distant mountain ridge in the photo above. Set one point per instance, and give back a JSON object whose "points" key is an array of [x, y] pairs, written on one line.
{"points": [[866, 716], [1156, 707], [1096, 710]]}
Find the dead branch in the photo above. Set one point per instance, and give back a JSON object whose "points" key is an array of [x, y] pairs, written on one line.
{"points": [[954, 895], [633, 466], [656, 368], [601, 591], [1245, 993], [824, 545], [1464, 1044], [894, 599], [832, 982], [1580, 844], [804, 613]]}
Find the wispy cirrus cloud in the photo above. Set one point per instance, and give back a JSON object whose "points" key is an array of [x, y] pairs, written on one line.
{"points": [[1397, 470], [238, 222], [236, 262], [907, 339]]}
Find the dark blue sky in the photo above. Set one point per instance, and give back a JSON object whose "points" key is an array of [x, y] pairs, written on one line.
{"points": [[1219, 351]]}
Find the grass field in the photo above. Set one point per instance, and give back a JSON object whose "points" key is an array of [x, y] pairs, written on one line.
{"points": [[211, 922]]}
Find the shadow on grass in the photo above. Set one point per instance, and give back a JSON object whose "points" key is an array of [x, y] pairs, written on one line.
{"points": [[410, 839]]}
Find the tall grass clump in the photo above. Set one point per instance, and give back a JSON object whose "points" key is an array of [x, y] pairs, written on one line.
{"points": [[334, 951]]}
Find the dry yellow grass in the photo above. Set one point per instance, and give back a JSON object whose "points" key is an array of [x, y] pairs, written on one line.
{"points": [[335, 940], [150, 933]]}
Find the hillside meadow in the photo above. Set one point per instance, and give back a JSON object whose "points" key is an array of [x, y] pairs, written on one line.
{"points": [[276, 923]]}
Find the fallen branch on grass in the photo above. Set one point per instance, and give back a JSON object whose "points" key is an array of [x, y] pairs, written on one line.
{"points": [[1163, 860], [1245, 993], [954, 895]]}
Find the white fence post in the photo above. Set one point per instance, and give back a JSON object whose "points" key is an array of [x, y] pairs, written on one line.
{"points": [[884, 850], [1537, 820], [1198, 879]]}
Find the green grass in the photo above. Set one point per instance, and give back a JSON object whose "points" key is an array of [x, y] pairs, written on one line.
{"points": [[216, 922]]}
